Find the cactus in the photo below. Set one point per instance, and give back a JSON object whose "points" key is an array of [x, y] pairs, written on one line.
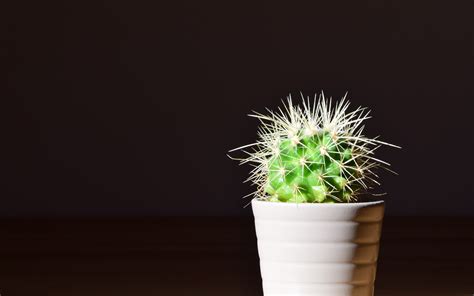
{"points": [[314, 153]]}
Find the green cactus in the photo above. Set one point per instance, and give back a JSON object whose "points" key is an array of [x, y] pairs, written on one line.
{"points": [[313, 154], [312, 170]]}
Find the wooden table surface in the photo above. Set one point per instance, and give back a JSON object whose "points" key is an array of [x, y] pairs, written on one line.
{"points": [[209, 256]]}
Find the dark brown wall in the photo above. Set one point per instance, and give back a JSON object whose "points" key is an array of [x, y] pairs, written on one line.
{"points": [[129, 107]]}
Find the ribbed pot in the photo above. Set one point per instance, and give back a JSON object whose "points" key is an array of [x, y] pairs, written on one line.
{"points": [[318, 249]]}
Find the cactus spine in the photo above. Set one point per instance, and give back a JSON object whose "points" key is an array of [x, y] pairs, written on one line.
{"points": [[314, 153]]}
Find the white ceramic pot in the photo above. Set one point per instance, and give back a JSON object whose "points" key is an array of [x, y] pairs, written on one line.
{"points": [[318, 249]]}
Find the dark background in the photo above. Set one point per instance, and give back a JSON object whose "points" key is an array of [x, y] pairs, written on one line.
{"points": [[129, 107]]}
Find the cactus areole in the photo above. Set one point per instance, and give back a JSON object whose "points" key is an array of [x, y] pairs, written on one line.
{"points": [[313, 153]]}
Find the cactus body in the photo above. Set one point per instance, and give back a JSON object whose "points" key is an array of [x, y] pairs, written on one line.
{"points": [[311, 170]]}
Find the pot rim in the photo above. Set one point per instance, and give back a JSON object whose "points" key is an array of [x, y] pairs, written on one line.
{"points": [[309, 205]]}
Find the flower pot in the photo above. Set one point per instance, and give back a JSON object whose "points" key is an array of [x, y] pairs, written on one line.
{"points": [[318, 249]]}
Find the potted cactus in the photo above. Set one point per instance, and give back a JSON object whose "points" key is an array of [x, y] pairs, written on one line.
{"points": [[317, 223]]}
